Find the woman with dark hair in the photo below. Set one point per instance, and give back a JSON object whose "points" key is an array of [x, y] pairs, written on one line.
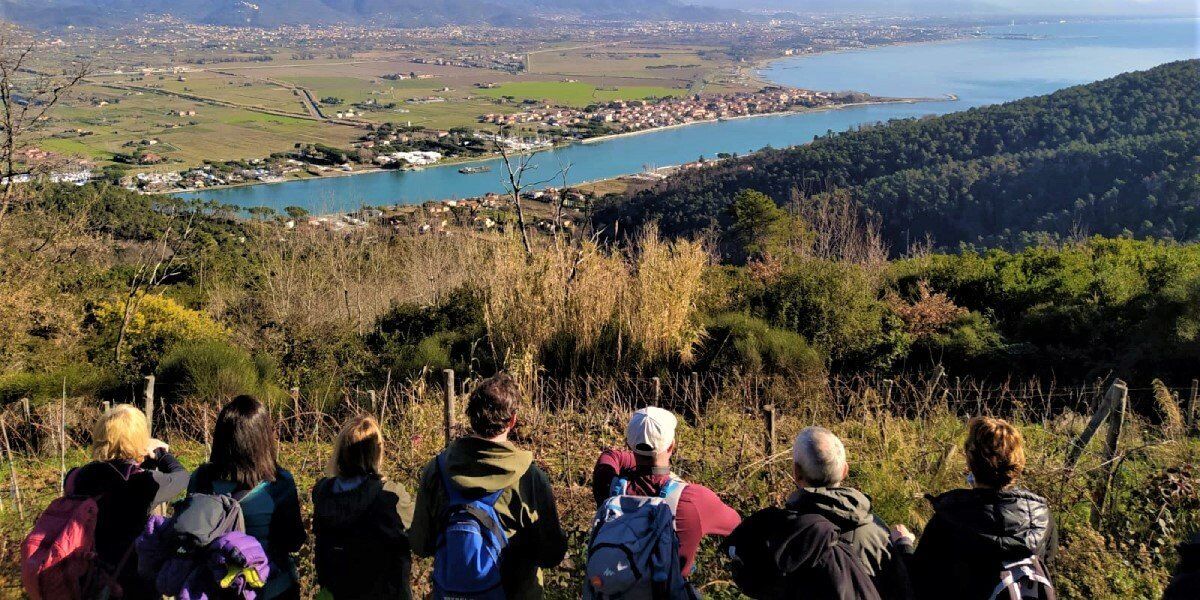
{"points": [[243, 464]]}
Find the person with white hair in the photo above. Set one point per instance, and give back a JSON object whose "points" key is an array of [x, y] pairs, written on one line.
{"points": [[644, 467], [819, 468]]}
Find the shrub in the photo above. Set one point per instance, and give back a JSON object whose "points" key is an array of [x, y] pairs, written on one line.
{"points": [[741, 341], [836, 305], [82, 379], [408, 338], [156, 325], [214, 371]]}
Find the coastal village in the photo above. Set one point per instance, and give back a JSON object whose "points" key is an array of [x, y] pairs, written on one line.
{"points": [[621, 116], [406, 147]]}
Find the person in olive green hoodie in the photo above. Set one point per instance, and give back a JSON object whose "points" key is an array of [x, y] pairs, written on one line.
{"points": [[486, 462]]}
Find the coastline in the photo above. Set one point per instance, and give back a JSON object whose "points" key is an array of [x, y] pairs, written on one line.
{"points": [[459, 161], [784, 113], [752, 72]]}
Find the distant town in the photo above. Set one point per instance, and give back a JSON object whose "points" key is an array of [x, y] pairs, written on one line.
{"points": [[170, 106], [625, 116]]}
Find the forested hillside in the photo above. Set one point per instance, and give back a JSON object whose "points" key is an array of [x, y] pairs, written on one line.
{"points": [[1116, 157]]}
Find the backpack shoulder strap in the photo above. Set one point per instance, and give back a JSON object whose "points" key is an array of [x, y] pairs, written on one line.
{"points": [[671, 492], [619, 486]]}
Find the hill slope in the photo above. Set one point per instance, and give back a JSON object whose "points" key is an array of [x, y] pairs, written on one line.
{"points": [[271, 13], [1113, 157]]}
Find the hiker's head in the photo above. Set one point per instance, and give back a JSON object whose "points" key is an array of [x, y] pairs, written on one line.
{"points": [[244, 449], [359, 449], [995, 452], [818, 458], [651, 434], [121, 433], [492, 407]]}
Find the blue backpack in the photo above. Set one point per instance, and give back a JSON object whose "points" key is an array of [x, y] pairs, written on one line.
{"points": [[466, 564]]}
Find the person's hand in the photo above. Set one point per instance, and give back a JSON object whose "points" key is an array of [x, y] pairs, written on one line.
{"points": [[154, 446], [901, 535]]}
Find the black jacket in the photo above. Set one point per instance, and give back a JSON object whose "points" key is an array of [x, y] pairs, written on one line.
{"points": [[1185, 583], [361, 533], [125, 504], [972, 534], [866, 534], [780, 554]]}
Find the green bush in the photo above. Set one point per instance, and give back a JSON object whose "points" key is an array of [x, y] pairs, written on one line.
{"points": [[82, 379], [214, 370], [1076, 311], [739, 340], [410, 337], [836, 306]]}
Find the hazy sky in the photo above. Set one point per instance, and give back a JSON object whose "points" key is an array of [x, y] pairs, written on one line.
{"points": [[1124, 7]]}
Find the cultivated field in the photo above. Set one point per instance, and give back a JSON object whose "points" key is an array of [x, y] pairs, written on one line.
{"points": [[577, 94], [251, 109]]}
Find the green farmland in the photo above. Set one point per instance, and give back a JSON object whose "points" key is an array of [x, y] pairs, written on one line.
{"points": [[577, 94]]}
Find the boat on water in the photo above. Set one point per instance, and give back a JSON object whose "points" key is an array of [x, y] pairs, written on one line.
{"points": [[474, 170]]}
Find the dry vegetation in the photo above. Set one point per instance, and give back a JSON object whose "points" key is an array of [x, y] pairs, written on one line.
{"points": [[903, 439]]}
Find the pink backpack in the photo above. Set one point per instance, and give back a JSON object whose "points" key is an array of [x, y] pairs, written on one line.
{"points": [[58, 558]]}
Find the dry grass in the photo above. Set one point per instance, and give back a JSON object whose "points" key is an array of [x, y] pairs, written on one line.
{"points": [[894, 458], [578, 293], [660, 308], [312, 279]]}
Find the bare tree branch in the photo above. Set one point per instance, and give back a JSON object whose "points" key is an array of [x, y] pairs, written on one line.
{"points": [[516, 168], [26, 98]]}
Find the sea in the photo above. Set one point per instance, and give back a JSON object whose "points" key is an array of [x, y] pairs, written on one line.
{"points": [[995, 65]]}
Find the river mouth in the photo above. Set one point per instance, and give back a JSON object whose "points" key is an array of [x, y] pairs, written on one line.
{"points": [[979, 71]]}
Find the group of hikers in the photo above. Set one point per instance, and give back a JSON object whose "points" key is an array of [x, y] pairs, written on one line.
{"points": [[486, 513]]}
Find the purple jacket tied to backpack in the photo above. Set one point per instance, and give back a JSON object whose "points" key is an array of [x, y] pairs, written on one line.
{"points": [[201, 554]]}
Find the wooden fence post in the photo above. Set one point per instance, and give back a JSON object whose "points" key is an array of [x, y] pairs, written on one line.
{"points": [[769, 415], [374, 407], [1118, 396], [695, 379], [295, 394], [62, 439], [148, 402], [1191, 406], [937, 378], [1103, 410], [12, 469], [449, 405], [25, 409], [657, 390], [769, 446]]}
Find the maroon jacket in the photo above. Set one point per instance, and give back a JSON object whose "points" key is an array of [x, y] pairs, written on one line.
{"points": [[701, 512]]}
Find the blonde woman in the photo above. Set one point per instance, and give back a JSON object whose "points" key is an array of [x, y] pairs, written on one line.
{"points": [[130, 474], [361, 520], [977, 530]]}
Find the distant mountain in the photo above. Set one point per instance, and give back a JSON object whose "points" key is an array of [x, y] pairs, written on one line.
{"points": [[967, 7], [1115, 157], [271, 13], [885, 7]]}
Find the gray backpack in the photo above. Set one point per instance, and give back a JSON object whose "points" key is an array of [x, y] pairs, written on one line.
{"points": [[634, 553]]}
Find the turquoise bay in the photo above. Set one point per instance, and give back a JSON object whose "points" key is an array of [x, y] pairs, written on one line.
{"points": [[978, 71]]}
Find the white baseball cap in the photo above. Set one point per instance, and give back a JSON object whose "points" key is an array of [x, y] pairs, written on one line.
{"points": [[651, 431]]}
